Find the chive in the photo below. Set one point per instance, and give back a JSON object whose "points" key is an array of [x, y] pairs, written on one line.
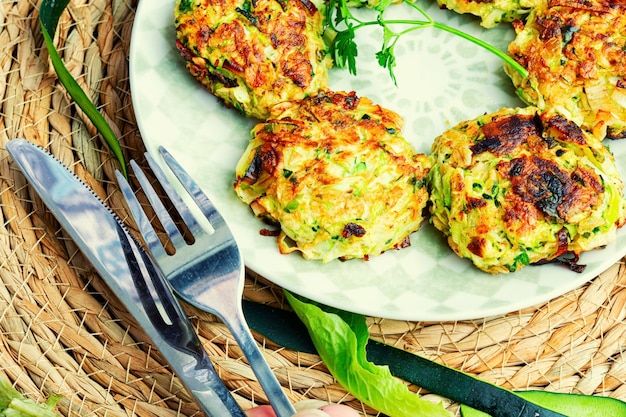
{"points": [[360, 167], [49, 14], [522, 259], [292, 205]]}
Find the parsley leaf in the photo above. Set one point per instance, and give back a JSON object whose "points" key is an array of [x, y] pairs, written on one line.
{"points": [[342, 26]]}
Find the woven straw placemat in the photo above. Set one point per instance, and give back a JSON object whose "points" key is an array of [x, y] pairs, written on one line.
{"points": [[62, 330]]}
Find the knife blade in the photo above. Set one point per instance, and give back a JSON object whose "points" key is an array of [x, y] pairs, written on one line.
{"points": [[128, 271]]}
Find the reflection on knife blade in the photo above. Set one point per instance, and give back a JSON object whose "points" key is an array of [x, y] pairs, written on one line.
{"points": [[128, 271]]}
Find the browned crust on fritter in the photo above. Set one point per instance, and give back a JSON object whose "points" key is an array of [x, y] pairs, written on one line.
{"points": [[578, 56], [335, 172], [253, 53], [521, 186], [313, 110], [538, 184], [582, 29], [247, 60]]}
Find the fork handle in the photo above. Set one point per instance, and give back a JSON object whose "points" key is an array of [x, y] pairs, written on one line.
{"points": [[275, 394]]}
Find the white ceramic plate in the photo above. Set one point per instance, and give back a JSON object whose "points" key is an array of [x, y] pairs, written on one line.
{"points": [[441, 80]]}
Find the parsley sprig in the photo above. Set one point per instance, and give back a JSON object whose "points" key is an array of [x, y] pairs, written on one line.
{"points": [[342, 25]]}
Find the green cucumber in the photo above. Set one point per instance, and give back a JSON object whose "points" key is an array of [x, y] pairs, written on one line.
{"points": [[574, 405], [571, 405]]}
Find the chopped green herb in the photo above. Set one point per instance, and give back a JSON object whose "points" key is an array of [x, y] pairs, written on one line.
{"points": [[522, 259], [568, 33], [291, 206], [360, 167], [246, 11], [186, 5]]}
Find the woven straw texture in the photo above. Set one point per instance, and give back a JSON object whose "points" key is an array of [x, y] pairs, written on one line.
{"points": [[62, 331]]}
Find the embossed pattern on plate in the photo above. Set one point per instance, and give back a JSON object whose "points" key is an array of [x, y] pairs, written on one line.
{"points": [[442, 80]]}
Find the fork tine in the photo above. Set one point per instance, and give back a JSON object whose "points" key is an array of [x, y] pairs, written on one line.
{"points": [[143, 222], [192, 224], [200, 198], [159, 208]]}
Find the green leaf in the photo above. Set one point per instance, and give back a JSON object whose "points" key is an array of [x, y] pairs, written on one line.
{"points": [[344, 50], [7, 394], [340, 339], [387, 59], [14, 404], [49, 13]]}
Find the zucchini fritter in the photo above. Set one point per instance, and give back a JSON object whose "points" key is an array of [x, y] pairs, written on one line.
{"points": [[336, 174], [493, 12], [518, 187], [575, 53], [254, 53]]}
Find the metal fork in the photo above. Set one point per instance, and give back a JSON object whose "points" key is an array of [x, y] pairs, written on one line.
{"points": [[208, 273]]}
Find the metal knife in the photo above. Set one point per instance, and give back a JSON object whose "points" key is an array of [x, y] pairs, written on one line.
{"points": [[128, 271]]}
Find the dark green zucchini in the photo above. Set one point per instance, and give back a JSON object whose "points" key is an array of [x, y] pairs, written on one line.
{"points": [[454, 385]]}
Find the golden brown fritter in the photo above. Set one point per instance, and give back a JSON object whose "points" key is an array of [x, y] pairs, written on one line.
{"points": [[337, 176], [575, 52], [519, 187], [493, 12], [254, 53]]}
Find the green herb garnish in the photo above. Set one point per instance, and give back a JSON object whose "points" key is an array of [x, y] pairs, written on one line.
{"points": [[342, 25]]}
